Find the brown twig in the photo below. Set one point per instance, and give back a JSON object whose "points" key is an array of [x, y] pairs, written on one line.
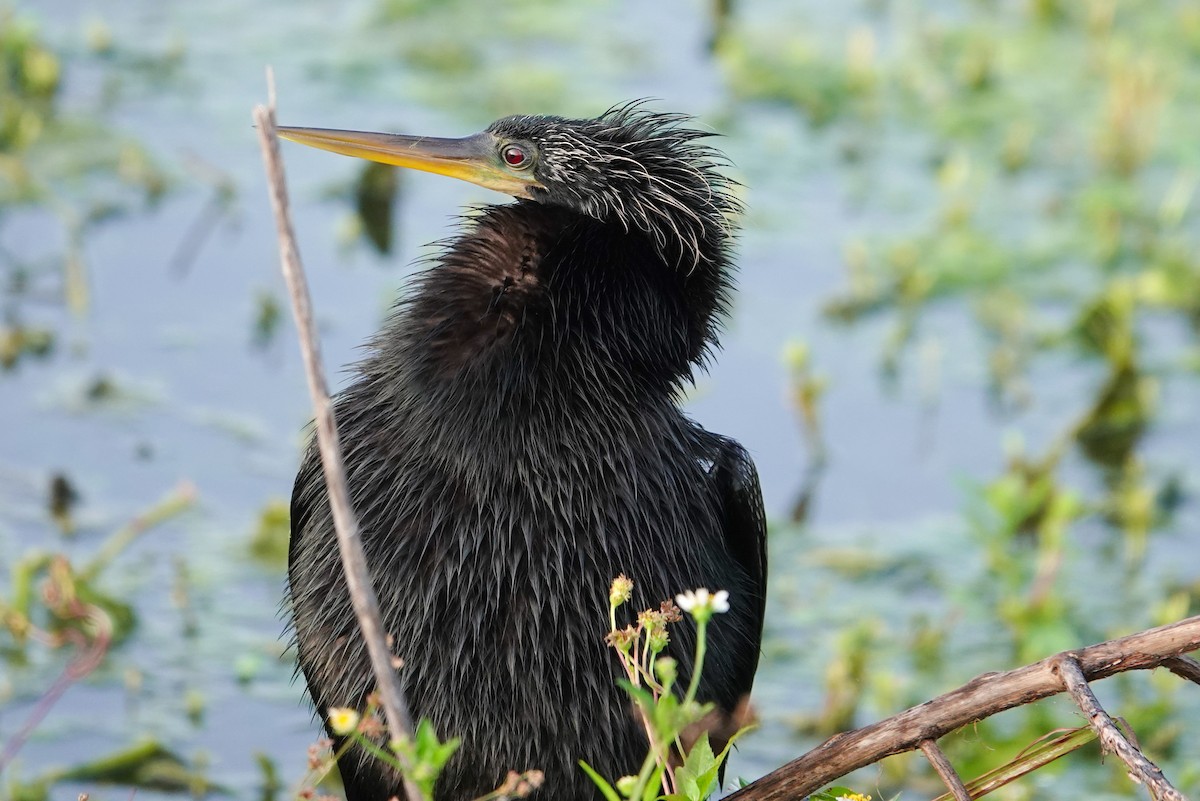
{"points": [[1111, 739], [980, 698], [942, 765], [354, 562]]}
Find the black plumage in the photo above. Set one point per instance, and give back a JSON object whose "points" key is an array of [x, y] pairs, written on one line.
{"points": [[513, 442]]}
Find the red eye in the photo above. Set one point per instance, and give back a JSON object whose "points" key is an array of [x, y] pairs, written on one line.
{"points": [[515, 156]]}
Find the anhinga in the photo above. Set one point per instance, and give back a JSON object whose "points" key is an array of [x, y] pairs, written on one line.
{"points": [[513, 442]]}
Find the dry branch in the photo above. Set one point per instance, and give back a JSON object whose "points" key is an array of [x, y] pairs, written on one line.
{"points": [[942, 765], [978, 699], [1111, 739], [354, 562], [1184, 667]]}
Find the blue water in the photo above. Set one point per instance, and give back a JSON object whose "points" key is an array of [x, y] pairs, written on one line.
{"points": [[210, 408]]}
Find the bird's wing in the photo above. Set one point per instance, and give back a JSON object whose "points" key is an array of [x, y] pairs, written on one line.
{"points": [[745, 527], [744, 522]]}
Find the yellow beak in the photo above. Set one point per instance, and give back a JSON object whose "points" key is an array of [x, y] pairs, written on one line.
{"points": [[472, 158]]}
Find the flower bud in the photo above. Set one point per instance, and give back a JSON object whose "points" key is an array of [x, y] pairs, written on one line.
{"points": [[666, 669], [619, 592]]}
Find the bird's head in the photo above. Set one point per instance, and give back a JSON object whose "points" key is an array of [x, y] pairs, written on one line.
{"points": [[642, 170]]}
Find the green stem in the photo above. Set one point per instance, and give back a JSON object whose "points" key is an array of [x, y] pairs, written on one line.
{"points": [[647, 770], [698, 665], [174, 504], [392, 760], [317, 775]]}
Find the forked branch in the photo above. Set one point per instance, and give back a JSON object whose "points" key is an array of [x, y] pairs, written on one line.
{"points": [[1111, 738], [980, 698]]}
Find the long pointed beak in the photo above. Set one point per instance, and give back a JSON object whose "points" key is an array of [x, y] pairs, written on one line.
{"points": [[472, 158]]}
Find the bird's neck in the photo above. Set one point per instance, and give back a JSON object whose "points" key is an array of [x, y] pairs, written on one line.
{"points": [[535, 299]]}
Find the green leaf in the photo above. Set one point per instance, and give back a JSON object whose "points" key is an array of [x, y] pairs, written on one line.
{"points": [[654, 786], [697, 777], [641, 696], [430, 750], [606, 789]]}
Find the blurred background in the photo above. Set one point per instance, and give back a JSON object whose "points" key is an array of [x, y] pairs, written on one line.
{"points": [[964, 354]]}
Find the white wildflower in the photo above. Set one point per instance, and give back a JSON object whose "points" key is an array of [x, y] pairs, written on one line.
{"points": [[720, 601], [701, 603]]}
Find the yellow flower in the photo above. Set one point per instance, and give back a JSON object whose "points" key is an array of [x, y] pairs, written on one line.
{"points": [[343, 720]]}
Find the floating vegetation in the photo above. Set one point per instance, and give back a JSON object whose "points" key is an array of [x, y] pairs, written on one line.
{"points": [[1086, 217], [72, 167], [148, 765], [268, 314], [18, 342], [375, 199], [1045, 156], [269, 542], [53, 602]]}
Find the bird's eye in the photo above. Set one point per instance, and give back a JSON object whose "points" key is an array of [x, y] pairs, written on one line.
{"points": [[515, 156]]}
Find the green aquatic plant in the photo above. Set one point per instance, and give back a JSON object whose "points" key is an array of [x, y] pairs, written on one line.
{"points": [[30, 77], [1034, 178], [63, 163], [56, 603]]}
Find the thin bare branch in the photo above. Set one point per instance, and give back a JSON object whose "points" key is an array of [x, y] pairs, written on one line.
{"points": [[942, 765], [980, 698], [354, 562], [1111, 739]]}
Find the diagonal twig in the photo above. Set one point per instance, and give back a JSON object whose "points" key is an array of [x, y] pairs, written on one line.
{"points": [[354, 561], [1111, 739], [942, 765]]}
